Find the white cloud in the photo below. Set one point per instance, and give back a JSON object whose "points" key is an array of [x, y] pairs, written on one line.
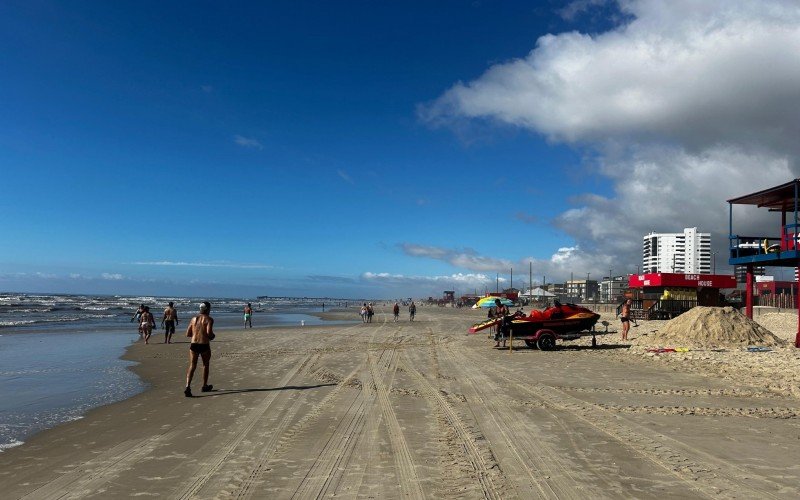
{"points": [[112, 276], [565, 262], [203, 264], [465, 258], [461, 280], [689, 103], [246, 142]]}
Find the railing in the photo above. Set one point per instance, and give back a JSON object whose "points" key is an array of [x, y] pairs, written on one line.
{"points": [[746, 246]]}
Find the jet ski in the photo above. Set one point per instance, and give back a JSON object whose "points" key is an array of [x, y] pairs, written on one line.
{"points": [[561, 319]]}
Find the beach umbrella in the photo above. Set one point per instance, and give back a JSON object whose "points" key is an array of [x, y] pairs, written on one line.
{"points": [[488, 302]]}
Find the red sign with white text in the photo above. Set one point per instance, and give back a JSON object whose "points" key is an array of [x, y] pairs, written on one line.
{"points": [[683, 280]]}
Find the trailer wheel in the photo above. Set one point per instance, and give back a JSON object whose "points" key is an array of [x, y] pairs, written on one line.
{"points": [[546, 342], [531, 344]]}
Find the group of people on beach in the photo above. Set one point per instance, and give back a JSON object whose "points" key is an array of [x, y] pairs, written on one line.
{"points": [[147, 322], [200, 331], [367, 311]]}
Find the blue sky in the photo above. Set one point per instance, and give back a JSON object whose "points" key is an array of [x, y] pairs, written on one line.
{"points": [[375, 149]]}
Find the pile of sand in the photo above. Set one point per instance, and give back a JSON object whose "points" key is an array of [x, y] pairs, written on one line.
{"points": [[711, 327]]}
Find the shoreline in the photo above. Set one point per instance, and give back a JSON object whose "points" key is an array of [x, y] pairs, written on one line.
{"points": [[414, 406]]}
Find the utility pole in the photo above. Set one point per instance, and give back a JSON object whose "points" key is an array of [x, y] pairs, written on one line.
{"points": [[497, 282], [610, 284], [530, 274], [714, 263], [511, 285]]}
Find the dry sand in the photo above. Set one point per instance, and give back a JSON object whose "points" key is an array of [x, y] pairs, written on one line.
{"points": [[421, 410]]}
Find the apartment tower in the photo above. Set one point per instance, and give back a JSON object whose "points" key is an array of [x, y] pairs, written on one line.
{"points": [[688, 252]]}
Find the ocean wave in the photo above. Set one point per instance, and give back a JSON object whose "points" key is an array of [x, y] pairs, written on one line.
{"points": [[24, 322], [14, 443]]}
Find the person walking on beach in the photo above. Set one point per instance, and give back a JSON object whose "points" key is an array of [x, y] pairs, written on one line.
{"points": [[364, 313], [412, 311], [370, 312], [625, 317], [248, 316], [201, 331], [169, 321], [137, 317], [148, 322], [396, 311]]}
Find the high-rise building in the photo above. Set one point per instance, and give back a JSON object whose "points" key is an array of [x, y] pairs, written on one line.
{"points": [[741, 272], [688, 252]]}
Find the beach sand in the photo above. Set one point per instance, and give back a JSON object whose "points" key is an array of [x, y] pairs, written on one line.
{"points": [[422, 410]]}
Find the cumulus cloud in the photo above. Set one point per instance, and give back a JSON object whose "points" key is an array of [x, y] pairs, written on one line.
{"points": [[686, 104], [435, 284], [563, 263], [246, 142], [465, 258]]}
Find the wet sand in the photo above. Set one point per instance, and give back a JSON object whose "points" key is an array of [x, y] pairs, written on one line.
{"points": [[421, 410]]}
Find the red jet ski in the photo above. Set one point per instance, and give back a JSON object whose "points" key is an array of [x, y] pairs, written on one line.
{"points": [[557, 321]]}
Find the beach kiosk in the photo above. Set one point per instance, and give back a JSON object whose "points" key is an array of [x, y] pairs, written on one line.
{"points": [[778, 249], [666, 295]]}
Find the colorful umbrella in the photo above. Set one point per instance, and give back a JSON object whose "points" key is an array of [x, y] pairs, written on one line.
{"points": [[488, 302]]}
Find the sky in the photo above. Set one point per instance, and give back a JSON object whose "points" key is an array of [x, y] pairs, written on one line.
{"points": [[380, 149]]}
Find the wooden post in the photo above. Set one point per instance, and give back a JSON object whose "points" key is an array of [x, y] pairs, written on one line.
{"points": [[510, 340], [749, 295], [797, 337]]}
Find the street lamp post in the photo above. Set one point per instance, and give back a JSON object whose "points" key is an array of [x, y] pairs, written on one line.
{"points": [[713, 262]]}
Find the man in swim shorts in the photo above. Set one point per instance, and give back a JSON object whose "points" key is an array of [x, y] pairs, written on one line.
{"points": [[201, 331], [248, 316], [169, 321], [625, 317]]}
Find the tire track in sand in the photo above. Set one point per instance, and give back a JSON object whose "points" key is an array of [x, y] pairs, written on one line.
{"points": [[548, 474], [326, 472], [482, 471], [90, 476], [209, 467], [699, 470]]}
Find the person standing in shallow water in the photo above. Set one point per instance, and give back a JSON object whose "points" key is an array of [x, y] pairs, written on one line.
{"points": [[137, 317], [169, 321], [201, 331]]}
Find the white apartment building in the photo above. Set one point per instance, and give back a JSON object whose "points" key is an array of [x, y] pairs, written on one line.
{"points": [[688, 252]]}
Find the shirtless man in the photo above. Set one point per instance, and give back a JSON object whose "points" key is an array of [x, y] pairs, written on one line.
{"points": [[248, 316], [169, 321], [625, 317], [501, 311], [201, 331]]}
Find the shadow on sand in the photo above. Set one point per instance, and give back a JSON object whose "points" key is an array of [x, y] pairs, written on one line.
{"points": [[599, 347], [222, 392]]}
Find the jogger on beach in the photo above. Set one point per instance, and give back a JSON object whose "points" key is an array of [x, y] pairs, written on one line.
{"points": [[201, 331]]}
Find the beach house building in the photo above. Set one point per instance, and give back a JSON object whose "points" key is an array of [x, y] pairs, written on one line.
{"points": [[688, 252]]}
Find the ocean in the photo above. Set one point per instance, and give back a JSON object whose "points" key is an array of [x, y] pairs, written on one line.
{"points": [[60, 354]]}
